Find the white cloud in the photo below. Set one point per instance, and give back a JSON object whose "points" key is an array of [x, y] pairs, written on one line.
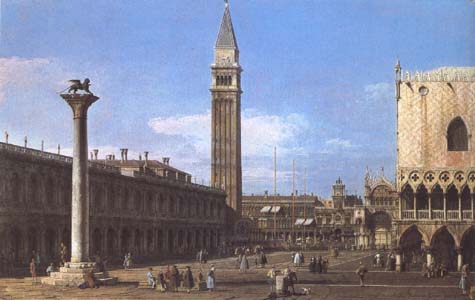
{"points": [[24, 74], [341, 143], [260, 132], [379, 92]]}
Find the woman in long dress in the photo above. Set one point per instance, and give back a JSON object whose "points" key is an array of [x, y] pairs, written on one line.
{"points": [[464, 283], [210, 282], [244, 264]]}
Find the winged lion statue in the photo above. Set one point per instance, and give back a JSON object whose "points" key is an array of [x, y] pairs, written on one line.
{"points": [[77, 85]]}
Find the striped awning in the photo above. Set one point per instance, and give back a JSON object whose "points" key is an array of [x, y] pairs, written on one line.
{"points": [[308, 222], [299, 221], [275, 209], [265, 209]]}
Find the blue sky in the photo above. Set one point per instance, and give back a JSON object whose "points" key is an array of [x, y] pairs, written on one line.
{"points": [[317, 81]]}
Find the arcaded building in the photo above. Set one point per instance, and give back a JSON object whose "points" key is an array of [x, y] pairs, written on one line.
{"points": [[132, 209], [436, 164]]}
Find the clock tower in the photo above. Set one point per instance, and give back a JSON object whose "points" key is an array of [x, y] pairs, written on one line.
{"points": [[338, 195], [226, 116]]}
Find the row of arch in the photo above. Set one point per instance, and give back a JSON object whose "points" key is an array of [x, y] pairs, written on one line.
{"points": [[224, 80], [443, 246], [422, 198], [20, 243]]}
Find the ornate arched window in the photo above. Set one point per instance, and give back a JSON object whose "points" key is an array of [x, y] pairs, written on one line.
{"points": [[457, 136]]}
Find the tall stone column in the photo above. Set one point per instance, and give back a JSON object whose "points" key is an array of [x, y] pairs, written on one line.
{"points": [[80, 103], [459, 258], [73, 272], [398, 260]]}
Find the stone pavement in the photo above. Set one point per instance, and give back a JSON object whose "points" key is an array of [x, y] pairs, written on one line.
{"points": [[340, 283]]}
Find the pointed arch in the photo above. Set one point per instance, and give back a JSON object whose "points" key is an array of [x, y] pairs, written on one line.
{"points": [[457, 135], [407, 197], [437, 198]]}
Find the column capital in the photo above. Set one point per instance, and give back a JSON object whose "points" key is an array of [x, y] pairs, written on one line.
{"points": [[79, 103]]}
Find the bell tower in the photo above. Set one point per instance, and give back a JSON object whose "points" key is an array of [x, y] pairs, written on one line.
{"points": [[226, 115]]}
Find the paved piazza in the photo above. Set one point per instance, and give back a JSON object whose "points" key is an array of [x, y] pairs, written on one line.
{"points": [[340, 283]]}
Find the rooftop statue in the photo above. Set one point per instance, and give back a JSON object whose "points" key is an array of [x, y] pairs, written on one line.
{"points": [[77, 85]]}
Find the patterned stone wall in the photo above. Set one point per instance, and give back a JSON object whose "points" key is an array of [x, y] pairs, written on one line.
{"points": [[423, 123]]}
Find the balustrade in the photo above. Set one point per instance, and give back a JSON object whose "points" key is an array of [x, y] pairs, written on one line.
{"points": [[452, 215]]}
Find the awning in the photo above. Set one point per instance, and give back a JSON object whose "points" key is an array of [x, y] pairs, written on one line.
{"points": [[299, 221], [308, 222], [275, 209], [265, 209]]}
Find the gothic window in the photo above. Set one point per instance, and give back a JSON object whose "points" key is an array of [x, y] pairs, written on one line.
{"points": [[407, 197], [457, 137]]}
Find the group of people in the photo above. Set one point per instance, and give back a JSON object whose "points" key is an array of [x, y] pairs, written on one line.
{"points": [[171, 279], [434, 270], [242, 256], [127, 261], [318, 265], [297, 259], [202, 256], [289, 279]]}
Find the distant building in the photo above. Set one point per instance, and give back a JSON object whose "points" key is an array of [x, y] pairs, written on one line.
{"points": [[288, 218], [280, 217], [335, 220]]}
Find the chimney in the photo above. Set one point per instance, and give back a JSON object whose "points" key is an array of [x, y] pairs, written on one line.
{"points": [[59, 149], [266, 193], [166, 160], [92, 156], [96, 152], [125, 153], [42, 145], [6, 137], [113, 156], [177, 177], [122, 155], [26, 141], [145, 153], [140, 156]]}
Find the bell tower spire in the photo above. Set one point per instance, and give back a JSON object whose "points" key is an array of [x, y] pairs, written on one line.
{"points": [[226, 115]]}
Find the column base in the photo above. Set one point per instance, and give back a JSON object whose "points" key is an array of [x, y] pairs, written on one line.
{"points": [[72, 274]]}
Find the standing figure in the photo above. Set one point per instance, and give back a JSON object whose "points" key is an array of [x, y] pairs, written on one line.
{"points": [[297, 260], [210, 282], [244, 266], [63, 251], [152, 281], [361, 271], [33, 271], [312, 266], [188, 281], [319, 264], [464, 283], [325, 265], [161, 279], [271, 279], [175, 279]]}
